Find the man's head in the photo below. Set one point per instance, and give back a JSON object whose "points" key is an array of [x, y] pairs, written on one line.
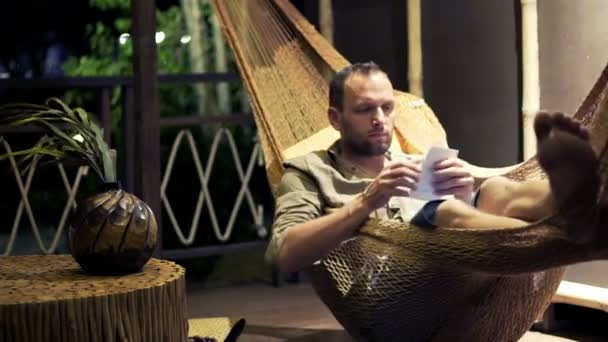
{"points": [[361, 103]]}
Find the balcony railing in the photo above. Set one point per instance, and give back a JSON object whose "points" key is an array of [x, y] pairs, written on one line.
{"points": [[220, 231]]}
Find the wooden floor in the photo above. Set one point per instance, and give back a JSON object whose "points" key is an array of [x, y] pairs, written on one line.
{"points": [[289, 313]]}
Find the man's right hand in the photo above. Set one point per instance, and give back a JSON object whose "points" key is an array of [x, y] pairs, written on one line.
{"points": [[398, 178]]}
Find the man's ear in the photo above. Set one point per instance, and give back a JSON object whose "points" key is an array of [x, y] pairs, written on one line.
{"points": [[334, 118]]}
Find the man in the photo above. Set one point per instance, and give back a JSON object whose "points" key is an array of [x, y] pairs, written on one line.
{"points": [[325, 196]]}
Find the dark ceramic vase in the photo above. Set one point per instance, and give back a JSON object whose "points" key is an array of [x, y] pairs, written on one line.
{"points": [[113, 232]]}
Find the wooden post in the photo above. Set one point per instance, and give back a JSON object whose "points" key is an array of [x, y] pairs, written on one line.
{"points": [[326, 20], [128, 140], [414, 48], [106, 113], [221, 65], [146, 107], [530, 74]]}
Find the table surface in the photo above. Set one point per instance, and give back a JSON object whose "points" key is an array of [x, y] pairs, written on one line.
{"points": [[43, 278]]}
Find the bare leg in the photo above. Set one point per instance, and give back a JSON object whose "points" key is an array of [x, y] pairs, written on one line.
{"points": [[502, 203], [529, 201], [565, 154], [473, 241], [457, 214]]}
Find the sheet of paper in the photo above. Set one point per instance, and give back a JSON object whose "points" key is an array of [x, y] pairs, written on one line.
{"points": [[424, 188]]}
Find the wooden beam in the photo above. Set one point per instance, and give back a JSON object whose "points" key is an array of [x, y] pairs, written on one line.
{"points": [[531, 75], [146, 109], [414, 35], [326, 20], [588, 296]]}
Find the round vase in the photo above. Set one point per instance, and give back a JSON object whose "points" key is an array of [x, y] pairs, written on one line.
{"points": [[112, 232]]}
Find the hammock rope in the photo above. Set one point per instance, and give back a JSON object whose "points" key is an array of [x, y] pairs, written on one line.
{"points": [[393, 281]]}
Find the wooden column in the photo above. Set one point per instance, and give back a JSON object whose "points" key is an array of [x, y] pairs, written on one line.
{"points": [[326, 20], [414, 37], [531, 75], [146, 107]]}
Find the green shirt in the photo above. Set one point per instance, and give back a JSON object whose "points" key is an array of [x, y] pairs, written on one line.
{"points": [[318, 182]]}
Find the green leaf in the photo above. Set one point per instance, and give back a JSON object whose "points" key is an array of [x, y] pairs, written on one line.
{"points": [[67, 110], [83, 116], [107, 163], [62, 123], [59, 133], [123, 24], [30, 152], [36, 119]]}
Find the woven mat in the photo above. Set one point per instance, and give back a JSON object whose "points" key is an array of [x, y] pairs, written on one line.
{"points": [[222, 329]]}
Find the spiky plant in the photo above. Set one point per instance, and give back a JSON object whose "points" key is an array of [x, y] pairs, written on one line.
{"points": [[72, 136], [111, 232]]}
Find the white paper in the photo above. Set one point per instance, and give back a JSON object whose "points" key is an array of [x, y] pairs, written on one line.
{"points": [[424, 188]]}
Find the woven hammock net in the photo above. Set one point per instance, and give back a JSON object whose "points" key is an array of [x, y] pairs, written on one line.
{"points": [[393, 281]]}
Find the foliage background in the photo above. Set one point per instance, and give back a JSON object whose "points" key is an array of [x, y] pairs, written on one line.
{"points": [[106, 54]]}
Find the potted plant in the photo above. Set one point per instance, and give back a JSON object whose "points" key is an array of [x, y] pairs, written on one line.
{"points": [[112, 232]]}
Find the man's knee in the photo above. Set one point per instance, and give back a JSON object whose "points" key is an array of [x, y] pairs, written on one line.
{"points": [[495, 194], [454, 213]]}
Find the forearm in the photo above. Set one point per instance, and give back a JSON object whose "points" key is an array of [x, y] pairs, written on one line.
{"points": [[308, 242]]}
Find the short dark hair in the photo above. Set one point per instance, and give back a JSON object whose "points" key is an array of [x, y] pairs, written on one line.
{"points": [[336, 86]]}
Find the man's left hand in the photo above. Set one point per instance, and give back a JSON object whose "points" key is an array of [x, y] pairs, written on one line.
{"points": [[450, 177]]}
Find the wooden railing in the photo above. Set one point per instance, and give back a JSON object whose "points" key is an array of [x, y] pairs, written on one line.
{"points": [[102, 87]]}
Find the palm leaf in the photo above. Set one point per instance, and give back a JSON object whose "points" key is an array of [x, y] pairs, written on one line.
{"points": [[65, 109], [83, 116], [67, 140], [31, 152], [105, 154], [20, 107], [29, 155], [73, 136]]}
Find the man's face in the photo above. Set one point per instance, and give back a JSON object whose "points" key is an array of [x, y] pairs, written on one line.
{"points": [[366, 120]]}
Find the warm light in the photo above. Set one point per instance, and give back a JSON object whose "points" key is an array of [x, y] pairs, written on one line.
{"points": [[185, 39], [160, 36], [124, 38], [78, 138]]}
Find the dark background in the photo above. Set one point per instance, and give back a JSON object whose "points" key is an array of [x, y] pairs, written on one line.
{"points": [[471, 55], [471, 64]]}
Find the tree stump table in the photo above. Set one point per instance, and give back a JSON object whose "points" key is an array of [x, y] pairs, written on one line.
{"points": [[49, 298]]}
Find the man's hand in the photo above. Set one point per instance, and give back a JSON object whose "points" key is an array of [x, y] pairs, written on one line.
{"points": [[398, 178], [450, 177]]}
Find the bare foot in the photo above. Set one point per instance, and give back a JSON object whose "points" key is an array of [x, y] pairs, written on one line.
{"points": [[566, 156]]}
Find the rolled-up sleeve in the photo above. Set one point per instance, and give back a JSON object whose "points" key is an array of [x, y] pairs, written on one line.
{"points": [[297, 200]]}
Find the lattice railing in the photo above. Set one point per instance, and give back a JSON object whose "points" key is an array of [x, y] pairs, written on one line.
{"points": [[24, 183], [21, 211], [222, 231], [244, 175]]}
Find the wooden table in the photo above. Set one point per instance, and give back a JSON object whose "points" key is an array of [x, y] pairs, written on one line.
{"points": [[49, 298]]}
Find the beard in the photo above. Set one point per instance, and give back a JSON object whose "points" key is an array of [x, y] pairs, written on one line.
{"points": [[363, 147]]}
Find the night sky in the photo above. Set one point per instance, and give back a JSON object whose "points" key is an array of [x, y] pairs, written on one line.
{"points": [[29, 26]]}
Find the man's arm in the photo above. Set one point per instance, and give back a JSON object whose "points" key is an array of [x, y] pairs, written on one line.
{"points": [[302, 233], [307, 242], [300, 240]]}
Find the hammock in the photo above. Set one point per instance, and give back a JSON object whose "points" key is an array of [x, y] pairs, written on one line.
{"points": [[394, 282]]}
